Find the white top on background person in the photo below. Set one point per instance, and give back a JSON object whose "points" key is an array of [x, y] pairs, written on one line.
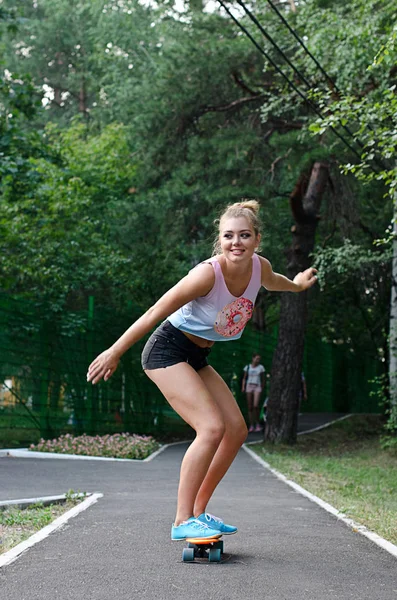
{"points": [[254, 374], [175, 355]]}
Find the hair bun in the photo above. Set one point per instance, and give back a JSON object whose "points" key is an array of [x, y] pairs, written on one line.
{"points": [[251, 205]]}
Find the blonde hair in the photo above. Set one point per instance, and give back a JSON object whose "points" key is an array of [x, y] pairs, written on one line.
{"points": [[249, 209]]}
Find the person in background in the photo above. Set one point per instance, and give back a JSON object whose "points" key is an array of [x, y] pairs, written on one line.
{"points": [[253, 384]]}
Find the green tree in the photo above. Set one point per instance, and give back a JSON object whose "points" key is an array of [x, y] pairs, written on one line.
{"points": [[373, 115], [198, 118], [55, 43], [57, 245]]}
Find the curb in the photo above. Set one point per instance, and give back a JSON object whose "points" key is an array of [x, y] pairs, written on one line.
{"points": [[25, 453], [374, 537], [9, 557], [45, 501], [320, 427]]}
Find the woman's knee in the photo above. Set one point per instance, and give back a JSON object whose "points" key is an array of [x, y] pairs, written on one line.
{"points": [[236, 432], [242, 433], [212, 431]]}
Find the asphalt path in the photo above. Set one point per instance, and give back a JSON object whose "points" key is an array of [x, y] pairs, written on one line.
{"points": [[120, 548]]}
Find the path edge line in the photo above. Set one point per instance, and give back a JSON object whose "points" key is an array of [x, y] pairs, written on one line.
{"points": [[325, 425], [8, 557], [24, 453], [356, 527]]}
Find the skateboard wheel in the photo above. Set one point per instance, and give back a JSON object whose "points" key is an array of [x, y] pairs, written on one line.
{"points": [[219, 545], [214, 555], [190, 545], [188, 554]]}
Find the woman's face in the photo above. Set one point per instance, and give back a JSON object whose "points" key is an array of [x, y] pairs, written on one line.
{"points": [[256, 360], [238, 239]]}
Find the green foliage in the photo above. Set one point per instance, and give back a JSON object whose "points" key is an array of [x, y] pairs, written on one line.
{"points": [[55, 43], [342, 262], [360, 280], [57, 244], [373, 116], [382, 394], [178, 114], [389, 442]]}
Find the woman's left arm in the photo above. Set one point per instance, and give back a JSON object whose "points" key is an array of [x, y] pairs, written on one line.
{"points": [[274, 282], [263, 379]]}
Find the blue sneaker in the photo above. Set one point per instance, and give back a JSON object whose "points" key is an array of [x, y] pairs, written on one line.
{"points": [[193, 528], [216, 523]]}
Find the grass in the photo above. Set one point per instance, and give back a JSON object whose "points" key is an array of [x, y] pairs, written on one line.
{"points": [[346, 466], [16, 524]]}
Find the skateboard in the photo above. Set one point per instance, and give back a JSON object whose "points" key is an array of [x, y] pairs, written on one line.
{"points": [[211, 548]]}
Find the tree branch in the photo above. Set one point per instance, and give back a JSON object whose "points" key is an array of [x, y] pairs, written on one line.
{"points": [[243, 85], [231, 105], [277, 160]]}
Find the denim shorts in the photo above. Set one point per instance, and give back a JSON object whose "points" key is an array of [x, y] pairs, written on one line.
{"points": [[168, 346]]}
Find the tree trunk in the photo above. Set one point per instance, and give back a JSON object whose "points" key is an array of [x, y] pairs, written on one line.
{"points": [[285, 379]]}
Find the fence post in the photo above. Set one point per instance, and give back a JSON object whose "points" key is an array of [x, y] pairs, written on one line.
{"points": [[45, 428], [90, 344]]}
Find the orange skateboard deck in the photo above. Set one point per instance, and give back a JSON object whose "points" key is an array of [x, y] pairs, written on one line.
{"points": [[200, 541], [211, 549]]}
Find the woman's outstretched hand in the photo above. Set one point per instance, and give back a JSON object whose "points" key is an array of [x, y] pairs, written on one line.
{"points": [[103, 366], [306, 279]]}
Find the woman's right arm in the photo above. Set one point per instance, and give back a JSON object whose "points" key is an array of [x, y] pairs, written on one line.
{"points": [[198, 282]]}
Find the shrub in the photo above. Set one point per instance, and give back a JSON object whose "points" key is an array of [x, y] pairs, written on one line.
{"points": [[120, 445]]}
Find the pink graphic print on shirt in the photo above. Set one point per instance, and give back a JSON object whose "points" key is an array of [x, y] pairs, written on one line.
{"points": [[233, 317]]}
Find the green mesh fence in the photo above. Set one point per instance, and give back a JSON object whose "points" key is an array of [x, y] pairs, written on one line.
{"points": [[43, 389]]}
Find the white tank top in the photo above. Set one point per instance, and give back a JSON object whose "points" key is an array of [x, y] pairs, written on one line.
{"points": [[219, 316]]}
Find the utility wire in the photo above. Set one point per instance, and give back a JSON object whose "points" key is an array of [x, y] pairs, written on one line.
{"points": [[306, 49], [298, 73], [291, 83], [321, 69], [377, 160], [272, 41]]}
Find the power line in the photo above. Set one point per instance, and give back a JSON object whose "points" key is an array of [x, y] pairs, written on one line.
{"points": [[290, 83], [321, 69], [298, 73], [271, 40], [300, 41], [376, 159]]}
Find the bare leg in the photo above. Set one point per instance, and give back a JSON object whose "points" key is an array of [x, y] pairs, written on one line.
{"points": [[256, 410], [189, 396], [250, 403], [234, 436]]}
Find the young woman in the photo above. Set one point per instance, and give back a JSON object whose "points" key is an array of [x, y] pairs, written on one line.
{"points": [[212, 303], [253, 384]]}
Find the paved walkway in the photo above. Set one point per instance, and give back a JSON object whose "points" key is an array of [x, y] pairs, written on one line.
{"points": [[120, 548], [307, 422]]}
